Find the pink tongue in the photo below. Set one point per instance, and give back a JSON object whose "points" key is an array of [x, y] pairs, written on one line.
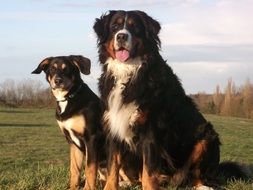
{"points": [[122, 55]]}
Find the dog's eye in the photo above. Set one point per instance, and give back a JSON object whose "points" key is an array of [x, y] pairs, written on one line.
{"points": [[64, 71], [115, 27], [52, 69], [137, 29]]}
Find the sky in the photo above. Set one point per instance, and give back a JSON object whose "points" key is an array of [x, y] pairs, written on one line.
{"points": [[206, 42]]}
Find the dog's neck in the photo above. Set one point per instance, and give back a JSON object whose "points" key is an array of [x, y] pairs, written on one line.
{"points": [[60, 94], [63, 96]]}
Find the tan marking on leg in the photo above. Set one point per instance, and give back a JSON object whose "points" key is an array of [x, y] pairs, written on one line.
{"points": [[76, 162], [149, 181], [198, 151], [194, 159], [91, 168], [91, 176], [113, 176]]}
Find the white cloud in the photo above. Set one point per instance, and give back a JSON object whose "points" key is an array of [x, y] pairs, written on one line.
{"points": [[132, 3], [42, 16], [208, 53], [204, 76], [226, 23]]}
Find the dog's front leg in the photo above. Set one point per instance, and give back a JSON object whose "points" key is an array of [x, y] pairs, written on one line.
{"points": [[76, 161], [91, 165], [150, 165], [113, 166]]}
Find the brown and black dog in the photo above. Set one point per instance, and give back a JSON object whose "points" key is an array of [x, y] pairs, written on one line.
{"points": [[154, 129], [78, 114]]}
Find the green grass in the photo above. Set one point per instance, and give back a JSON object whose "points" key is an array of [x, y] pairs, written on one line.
{"points": [[34, 155]]}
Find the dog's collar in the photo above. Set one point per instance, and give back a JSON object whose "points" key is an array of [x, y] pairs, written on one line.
{"points": [[71, 95]]}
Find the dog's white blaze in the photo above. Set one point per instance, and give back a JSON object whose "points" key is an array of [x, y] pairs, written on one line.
{"points": [[75, 123], [120, 116], [125, 22], [128, 43]]}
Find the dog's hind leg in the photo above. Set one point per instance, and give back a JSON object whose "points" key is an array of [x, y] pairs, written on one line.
{"points": [[76, 162], [203, 163]]}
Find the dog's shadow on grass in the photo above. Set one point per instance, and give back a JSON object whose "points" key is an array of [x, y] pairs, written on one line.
{"points": [[250, 167], [22, 125]]}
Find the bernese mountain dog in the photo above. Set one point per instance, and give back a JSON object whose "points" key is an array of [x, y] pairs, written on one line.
{"points": [[155, 132]]}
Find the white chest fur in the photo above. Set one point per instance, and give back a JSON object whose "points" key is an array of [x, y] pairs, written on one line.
{"points": [[75, 124], [121, 116], [124, 71], [63, 105], [60, 97]]}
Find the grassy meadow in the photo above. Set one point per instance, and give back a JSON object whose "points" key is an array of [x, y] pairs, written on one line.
{"points": [[34, 155]]}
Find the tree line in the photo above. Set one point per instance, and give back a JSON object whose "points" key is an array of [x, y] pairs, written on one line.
{"points": [[25, 93], [234, 100]]}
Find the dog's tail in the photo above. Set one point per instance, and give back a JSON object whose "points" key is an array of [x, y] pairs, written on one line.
{"points": [[234, 170]]}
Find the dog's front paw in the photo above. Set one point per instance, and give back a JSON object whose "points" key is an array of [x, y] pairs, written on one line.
{"points": [[203, 187], [178, 178], [88, 186], [125, 184]]}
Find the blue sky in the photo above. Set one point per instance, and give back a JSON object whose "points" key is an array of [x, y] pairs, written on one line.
{"points": [[205, 41]]}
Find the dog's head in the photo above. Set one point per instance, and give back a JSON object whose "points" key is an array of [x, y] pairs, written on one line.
{"points": [[127, 34], [63, 72]]}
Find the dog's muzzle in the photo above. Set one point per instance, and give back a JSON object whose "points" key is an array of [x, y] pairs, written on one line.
{"points": [[123, 45]]}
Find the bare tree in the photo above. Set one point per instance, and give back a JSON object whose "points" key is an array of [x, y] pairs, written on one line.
{"points": [[247, 96], [217, 99], [226, 108], [25, 93], [7, 91]]}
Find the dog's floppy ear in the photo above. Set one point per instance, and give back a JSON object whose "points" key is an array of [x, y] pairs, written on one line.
{"points": [[42, 66], [152, 27], [82, 63], [101, 26]]}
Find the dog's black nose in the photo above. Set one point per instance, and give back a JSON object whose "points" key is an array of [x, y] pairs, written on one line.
{"points": [[58, 81], [122, 37]]}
